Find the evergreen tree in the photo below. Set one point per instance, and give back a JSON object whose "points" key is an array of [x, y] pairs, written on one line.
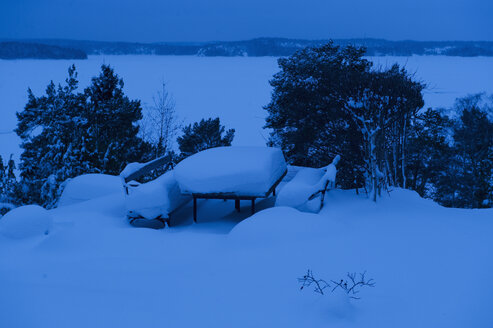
{"points": [[429, 152], [66, 133], [112, 124], [473, 141], [8, 182], [3, 181], [451, 160], [204, 135], [50, 127]]}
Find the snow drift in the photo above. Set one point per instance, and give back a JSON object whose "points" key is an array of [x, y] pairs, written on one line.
{"points": [[26, 221], [89, 186]]}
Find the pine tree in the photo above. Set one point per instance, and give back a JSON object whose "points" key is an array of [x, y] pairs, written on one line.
{"points": [[204, 135], [112, 124], [66, 133]]}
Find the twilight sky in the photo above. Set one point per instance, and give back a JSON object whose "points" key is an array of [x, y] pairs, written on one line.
{"points": [[208, 20]]}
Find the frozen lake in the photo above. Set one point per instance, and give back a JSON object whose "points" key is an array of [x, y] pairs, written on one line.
{"points": [[233, 88]]}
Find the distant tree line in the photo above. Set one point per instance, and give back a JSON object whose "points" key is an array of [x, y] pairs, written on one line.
{"points": [[270, 47], [329, 100], [25, 50]]}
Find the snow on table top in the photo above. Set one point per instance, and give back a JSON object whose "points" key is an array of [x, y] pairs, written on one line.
{"points": [[244, 171]]}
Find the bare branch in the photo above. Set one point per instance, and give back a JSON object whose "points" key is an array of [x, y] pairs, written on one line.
{"points": [[351, 285]]}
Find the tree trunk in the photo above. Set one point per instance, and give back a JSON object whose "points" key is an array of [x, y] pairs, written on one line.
{"points": [[404, 154]]}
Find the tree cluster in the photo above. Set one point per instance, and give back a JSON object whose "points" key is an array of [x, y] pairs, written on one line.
{"points": [[451, 156], [330, 100], [66, 133]]}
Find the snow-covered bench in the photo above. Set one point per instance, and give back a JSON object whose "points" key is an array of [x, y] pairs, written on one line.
{"points": [[239, 173], [306, 191], [150, 204]]}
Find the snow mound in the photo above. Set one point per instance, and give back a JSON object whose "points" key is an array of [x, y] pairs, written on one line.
{"points": [[156, 198], [90, 186], [276, 225], [248, 171], [26, 221]]}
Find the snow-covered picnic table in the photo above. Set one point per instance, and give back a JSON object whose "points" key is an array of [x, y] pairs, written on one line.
{"points": [[239, 173]]}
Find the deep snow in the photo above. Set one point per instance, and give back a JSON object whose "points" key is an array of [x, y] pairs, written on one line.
{"points": [[431, 265]]}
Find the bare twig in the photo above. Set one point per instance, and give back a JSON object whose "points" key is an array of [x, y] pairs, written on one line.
{"points": [[351, 285], [308, 279]]}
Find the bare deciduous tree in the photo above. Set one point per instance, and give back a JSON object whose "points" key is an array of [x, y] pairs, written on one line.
{"points": [[160, 125]]}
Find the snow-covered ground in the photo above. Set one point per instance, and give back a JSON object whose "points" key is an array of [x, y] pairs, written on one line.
{"points": [[432, 266], [233, 88], [83, 265]]}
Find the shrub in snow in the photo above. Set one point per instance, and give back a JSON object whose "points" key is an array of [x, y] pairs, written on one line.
{"points": [[90, 186], [351, 285], [26, 221], [5, 207]]}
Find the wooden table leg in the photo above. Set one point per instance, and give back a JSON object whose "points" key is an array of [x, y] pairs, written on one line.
{"points": [[195, 210], [237, 204], [253, 206]]}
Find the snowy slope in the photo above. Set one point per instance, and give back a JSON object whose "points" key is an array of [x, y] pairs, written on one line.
{"points": [[431, 265]]}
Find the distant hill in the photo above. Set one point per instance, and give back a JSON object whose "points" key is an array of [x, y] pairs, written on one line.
{"points": [[269, 47], [25, 50]]}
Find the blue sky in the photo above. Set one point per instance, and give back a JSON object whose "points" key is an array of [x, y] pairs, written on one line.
{"points": [[207, 20]]}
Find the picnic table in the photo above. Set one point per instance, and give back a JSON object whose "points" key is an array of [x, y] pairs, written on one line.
{"points": [[231, 173]]}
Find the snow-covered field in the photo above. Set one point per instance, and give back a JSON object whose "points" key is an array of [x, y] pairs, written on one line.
{"points": [[432, 267], [233, 88]]}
